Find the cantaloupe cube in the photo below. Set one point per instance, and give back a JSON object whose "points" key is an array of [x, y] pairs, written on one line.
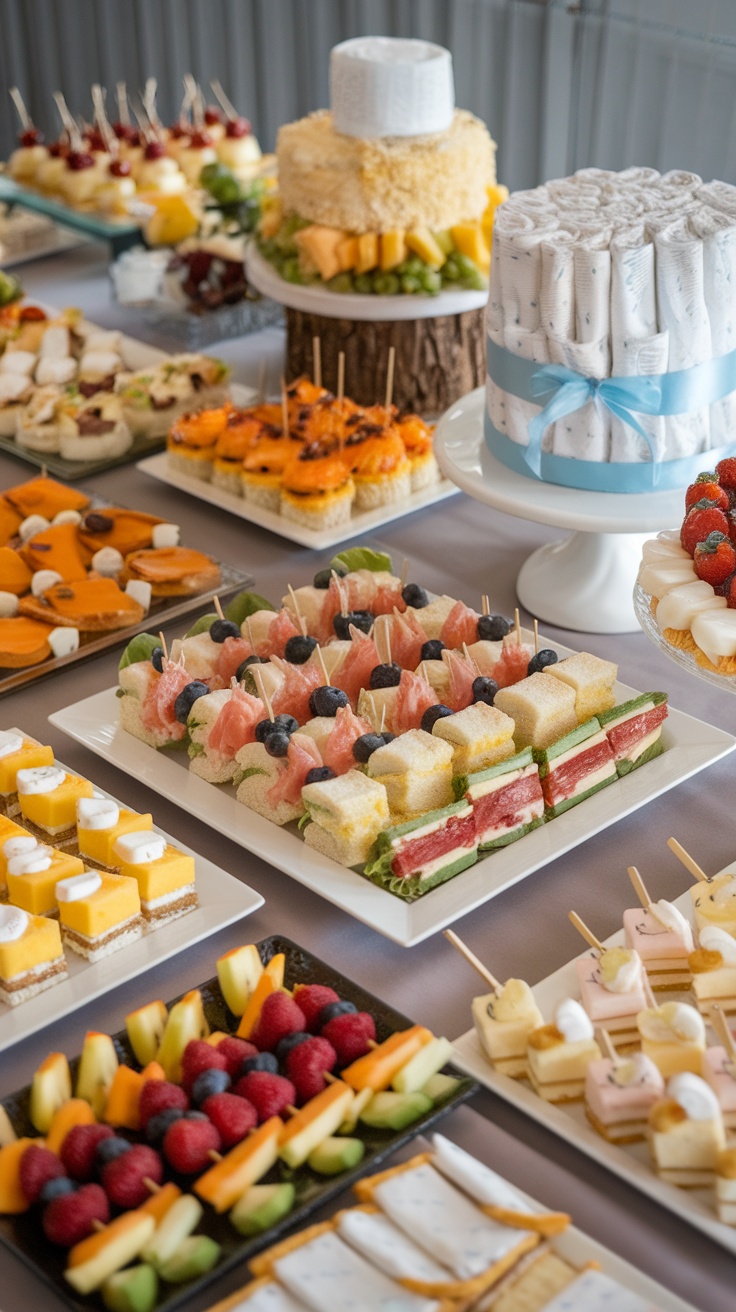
{"points": [[469, 240], [159, 1203], [275, 969], [153, 1071], [319, 243], [367, 252], [497, 193], [421, 241], [377, 1069], [393, 249], [74, 1112], [271, 218], [12, 1198], [347, 253], [245, 1165], [121, 1109]]}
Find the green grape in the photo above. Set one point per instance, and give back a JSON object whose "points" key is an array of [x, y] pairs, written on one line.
{"points": [[342, 282], [444, 241], [390, 284], [401, 269], [466, 266], [474, 282], [363, 283], [410, 283], [415, 266], [293, 223], [450, 270], [290, 270], [431, 281]]}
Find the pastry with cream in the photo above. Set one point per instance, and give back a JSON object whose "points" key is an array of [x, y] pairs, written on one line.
{"points": [[48, 797], [673, 1035], [99, 913], [713, 966], [503, 1022], [619, 1096], [612, 990], [31, 955], [686, 1133], [559, 1053], [663, 939], [165, 876]]}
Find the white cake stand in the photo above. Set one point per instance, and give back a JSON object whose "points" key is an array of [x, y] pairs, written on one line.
{"points": [[585, 581]]}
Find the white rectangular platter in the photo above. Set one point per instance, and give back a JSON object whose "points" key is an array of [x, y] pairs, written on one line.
{"points": [[222, 900], [690, 745], [363, 522], [630, 1161]]}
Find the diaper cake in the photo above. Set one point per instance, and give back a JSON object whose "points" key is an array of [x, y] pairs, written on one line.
{"points": [[610, 328], [387, 196]]}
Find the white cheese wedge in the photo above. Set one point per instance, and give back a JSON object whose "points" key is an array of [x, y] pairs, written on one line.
{"points": [[443, 1222], [326, 1273], [594, 1291], [378, 1239], [678, 609], [470, 1175], [657, 550], [715, 633], [659, 579]]}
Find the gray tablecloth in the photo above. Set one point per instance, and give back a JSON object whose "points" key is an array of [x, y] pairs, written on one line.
{"points": [[465, 549]]}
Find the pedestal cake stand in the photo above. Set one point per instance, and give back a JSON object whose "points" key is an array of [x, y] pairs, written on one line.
{"points": [[583, 582]]}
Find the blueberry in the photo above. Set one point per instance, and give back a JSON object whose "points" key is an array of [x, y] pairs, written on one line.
{"points": [[209, 1082], [277, 742], [318, 774], [432, 650], [263, 729], [56, 1187], [157, 1126], [360, 619], [157, 659], [323, 577], [491, 628], [108, 1149], [288, 723], [415, 596], [244, 665], [289, 1041], [484, 690], [385, 676], [222, 629], [186, 699], [195, 1116], [388, 737], [366, 745], [298, 649], [541, 660], [263, 1061], [333, 1009], [433, 714], [327, 700]]}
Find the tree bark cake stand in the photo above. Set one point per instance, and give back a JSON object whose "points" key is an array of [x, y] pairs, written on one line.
{"points": [[439, 341]]}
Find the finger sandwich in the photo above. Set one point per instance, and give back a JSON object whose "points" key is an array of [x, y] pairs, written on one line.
{"points": [[634, 730], [164, 875], [480, 736], [413, 857], [574, 767], [591, 679], [507, 800], [543, 710], [256, 774], [416, 771], [346, 814]]}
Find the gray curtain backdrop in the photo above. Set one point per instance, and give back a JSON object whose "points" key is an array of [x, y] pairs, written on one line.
{"points": [[561, 85]]}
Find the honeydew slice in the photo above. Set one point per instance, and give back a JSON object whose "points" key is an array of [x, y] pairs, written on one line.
{"points": [[317, 1120], [104, 1253], [659, 579], [715, 633]]}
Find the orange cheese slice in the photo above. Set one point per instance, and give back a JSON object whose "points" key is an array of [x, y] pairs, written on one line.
{"points": [[169, 564], [110, 526], [10, 522], [89, 604], [44, 496], [23, 642], [57, 548], [15, 576]]}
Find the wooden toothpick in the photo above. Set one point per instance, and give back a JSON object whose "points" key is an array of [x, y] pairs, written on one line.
{"points": [[284, 409], [610, 1051], [317, 360], [587, 934], [340, 375], [695, 870], [472, 960], [485, 604], [390, 376], [517, 625], [383, 718], [536, 637], [323, 667], [218, 608], [22, 112], [164, 648], [639, 887], [297, 612], [723, 1030], [258, 676]]}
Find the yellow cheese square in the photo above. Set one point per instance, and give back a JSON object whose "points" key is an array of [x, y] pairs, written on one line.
{"points": [[36, 892], [97, 844], [155, 879], [31, 754], [56, 810], [40, 942], [115, 901]]}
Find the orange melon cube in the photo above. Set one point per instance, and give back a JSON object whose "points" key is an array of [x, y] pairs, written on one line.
{"points": [[12, 1198], [75, 1111], [159, 1203], [347, 253], [228, 1180], [367, 252], [153, 1071], [319, 244], [377, 1068], [121, 1108]]}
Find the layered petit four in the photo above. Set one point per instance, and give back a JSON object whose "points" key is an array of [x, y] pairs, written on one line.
{"points": [[31, 955], [673, 1035], [18, 752], [592, 680], [33, 872], [612, 991], [620, 1093], [164, 875], [98, 913], [713, 966], [714, 902], [503, 1021], [100, 822], [663, 938], [559, 1054], [726, 1186], [719, 1071], [686, 1133], [48, 799]]}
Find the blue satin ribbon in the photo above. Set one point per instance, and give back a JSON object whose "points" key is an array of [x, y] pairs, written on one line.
{"points": [[679, 392]]}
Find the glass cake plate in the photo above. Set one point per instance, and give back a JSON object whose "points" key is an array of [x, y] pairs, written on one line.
{"points": [[685, 659]]}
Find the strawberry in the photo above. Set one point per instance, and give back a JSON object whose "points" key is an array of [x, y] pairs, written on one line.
{"points": [[307, 1064], [69, 1219], [189, 1142], [715, 559], [269, 1094], [730, 593], [702, 518], [124, 1178], [158, 1096], [350, 1035], [38, 1166], [280, 1015], [726, 473], [235, 1051], [232, 1117], [78, 1151], [197, 1057], [312, 998], [706, 487]]}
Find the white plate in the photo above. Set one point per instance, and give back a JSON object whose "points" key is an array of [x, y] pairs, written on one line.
{"points": [[347, 305], [222, 900], [690, 746], [363, 522], [629, 1161]]}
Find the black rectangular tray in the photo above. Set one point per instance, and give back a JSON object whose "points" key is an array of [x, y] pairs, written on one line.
{"points": [[23, 1235]]}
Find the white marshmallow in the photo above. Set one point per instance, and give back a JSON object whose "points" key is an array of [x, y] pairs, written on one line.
{"points": [[31, 525], [139, 847], [76, 887], [40, 779], [18, 844], [8, 605], [13, 923], [166, 535], [55, 342], [52, 370], [695, 1097], [573, 1022], [64, 640], [43, 579], [715, 939], [17, 362], [100, 363], [12, 386], [67, 517], [31, 862], [97, 812], [108, 562], [140, 591], [10, 741]]}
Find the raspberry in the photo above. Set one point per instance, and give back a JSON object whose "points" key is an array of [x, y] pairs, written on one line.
{"points": [[350, 1035], [231, 1116], [38, 1166], [706, 487], [269, 1094], [726, 473], [188, 1144], [69, 1219], [280, 1015], [312, 998], [307, 1064], [715, 559], [123, 1179], [79, 1149], [702, 519], [158, 1096], [235, 1051], [199, 1056]]}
